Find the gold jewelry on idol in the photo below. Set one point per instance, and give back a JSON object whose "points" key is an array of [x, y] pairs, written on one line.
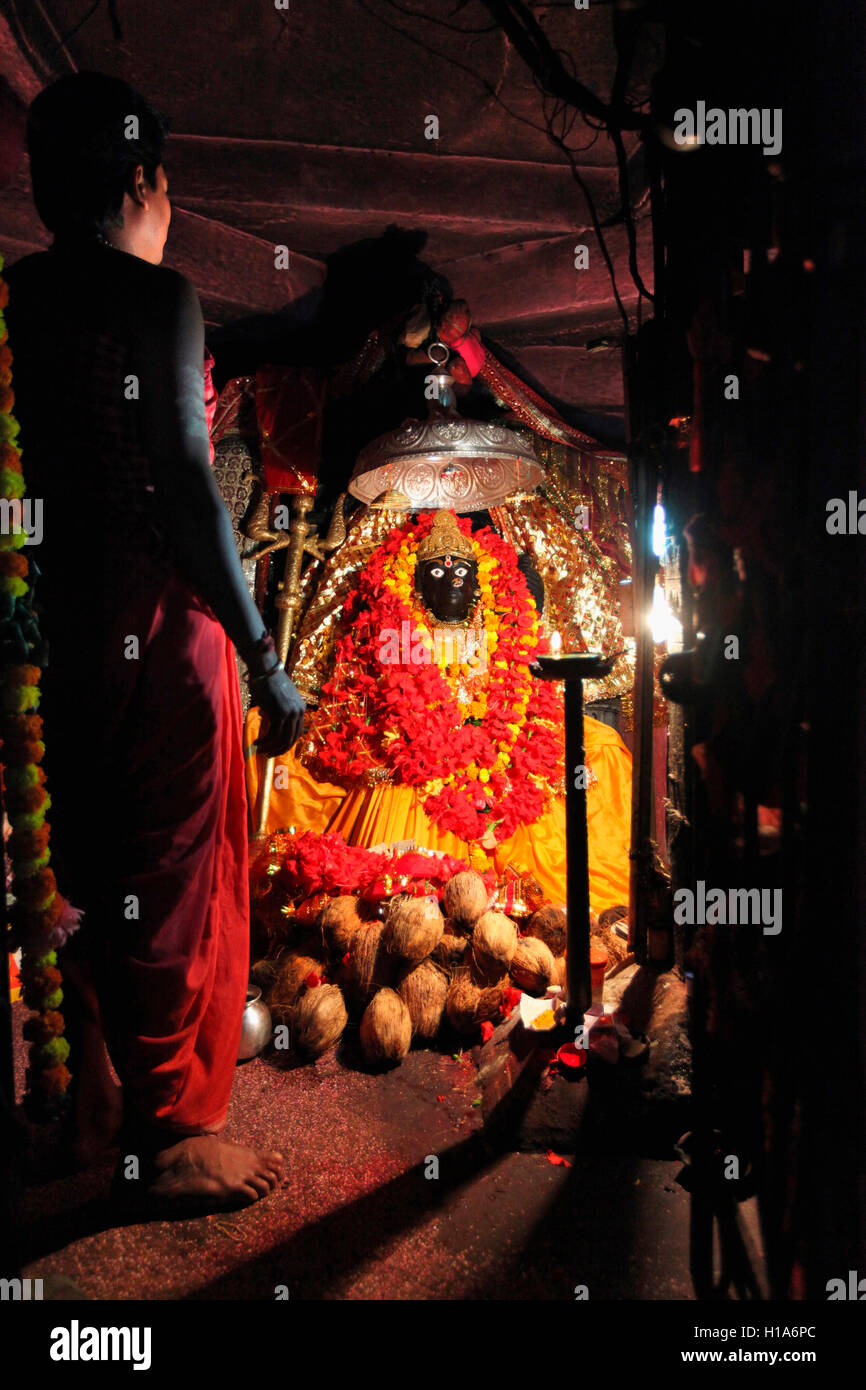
{"points": [[444, 538]]}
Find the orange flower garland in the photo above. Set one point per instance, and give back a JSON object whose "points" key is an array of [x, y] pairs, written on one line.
{"points": [[42, 919], [483, 746]]}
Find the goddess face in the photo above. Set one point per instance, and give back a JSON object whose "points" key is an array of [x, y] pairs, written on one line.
{"points": [[447, 585]]}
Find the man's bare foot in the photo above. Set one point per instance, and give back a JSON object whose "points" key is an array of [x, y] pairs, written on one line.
{"points": [[205, 1170]]}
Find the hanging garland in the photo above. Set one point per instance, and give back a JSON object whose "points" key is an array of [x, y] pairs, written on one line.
{"points": [[41, 918], [485, 749]]}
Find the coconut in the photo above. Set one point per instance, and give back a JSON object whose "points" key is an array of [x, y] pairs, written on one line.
{"points": [[415, 928], [559, 971], [369, 967], [263, 974], [532, 965], [485, 974], [340, 921], [310, 942], [451, 949], [465, 897], [612, 942], [386, 1029], [550, 925], [494, 940], [468, 1004], [455, 928], [291, 971], [423, 989], [604, 933], [317, 1021]]}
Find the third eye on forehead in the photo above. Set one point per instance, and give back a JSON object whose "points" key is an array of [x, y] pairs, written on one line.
{"points": [[437, 571]]}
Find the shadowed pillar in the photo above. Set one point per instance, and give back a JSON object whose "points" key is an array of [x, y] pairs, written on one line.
{"points": [[574, 669]]}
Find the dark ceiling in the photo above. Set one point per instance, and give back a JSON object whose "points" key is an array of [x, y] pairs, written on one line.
{"points": [[306, 127]]}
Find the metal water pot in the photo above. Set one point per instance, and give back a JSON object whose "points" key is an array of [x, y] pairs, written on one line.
{"points": [[255, 1026]]}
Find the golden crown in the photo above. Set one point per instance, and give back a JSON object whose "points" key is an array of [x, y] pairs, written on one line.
{"points": [[445, 538]]}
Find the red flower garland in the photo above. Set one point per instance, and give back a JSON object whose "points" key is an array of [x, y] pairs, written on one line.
{"points": [[477, 775], [293, 867]]}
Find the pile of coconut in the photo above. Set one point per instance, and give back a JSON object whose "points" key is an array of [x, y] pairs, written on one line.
{"points": [[404, 977]]}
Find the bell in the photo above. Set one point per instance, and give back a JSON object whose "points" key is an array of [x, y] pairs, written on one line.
{"points": [[446, 461]]}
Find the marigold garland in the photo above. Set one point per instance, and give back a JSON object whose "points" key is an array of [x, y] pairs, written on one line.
{"points": [[484, 748], [41, 918]]}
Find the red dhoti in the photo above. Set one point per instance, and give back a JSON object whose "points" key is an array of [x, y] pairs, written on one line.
{"points": [[158, 857]]}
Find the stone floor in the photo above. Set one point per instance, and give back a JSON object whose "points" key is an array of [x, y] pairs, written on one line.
{"points": [[394, 1190]]}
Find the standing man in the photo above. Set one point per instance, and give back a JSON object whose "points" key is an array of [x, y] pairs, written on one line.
{"points": [[143, 598]]}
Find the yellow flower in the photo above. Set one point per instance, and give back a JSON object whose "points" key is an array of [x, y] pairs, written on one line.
{"points": [[483, 775], [12, 540]]}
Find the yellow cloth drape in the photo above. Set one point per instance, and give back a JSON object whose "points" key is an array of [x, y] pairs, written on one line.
{"points": [[381, 814]]}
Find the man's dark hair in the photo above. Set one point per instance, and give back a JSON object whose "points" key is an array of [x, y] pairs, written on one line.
{"points": [[84, 149]]}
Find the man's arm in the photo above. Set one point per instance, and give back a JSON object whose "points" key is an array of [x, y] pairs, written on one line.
{"points": [[170, 360], [169, 357]]}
